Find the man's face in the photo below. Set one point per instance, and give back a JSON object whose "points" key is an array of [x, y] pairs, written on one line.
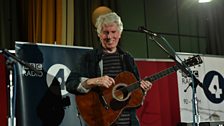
{"points": [[110, 37]]}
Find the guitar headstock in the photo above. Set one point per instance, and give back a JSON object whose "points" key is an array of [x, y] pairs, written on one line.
{"points": [[195, 60]]}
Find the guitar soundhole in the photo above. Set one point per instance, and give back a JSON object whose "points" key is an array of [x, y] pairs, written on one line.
{"points": [[120, 93]]}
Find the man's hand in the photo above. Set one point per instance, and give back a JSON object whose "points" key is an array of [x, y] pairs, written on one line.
{"points": [[145, 85]]}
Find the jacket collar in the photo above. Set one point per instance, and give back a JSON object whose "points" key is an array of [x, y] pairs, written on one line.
{"points": [[99, 51]]}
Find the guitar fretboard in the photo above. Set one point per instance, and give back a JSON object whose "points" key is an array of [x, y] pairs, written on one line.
{"points": [[152, 78], [162, 74]]}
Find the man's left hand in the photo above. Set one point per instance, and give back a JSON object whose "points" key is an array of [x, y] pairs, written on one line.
{"points": [[145, 85]]}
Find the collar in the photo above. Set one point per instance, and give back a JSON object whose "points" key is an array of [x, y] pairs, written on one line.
{"points": [[99, 51]]}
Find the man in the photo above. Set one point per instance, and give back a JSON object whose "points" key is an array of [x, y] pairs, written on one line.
{"points": [[103, 64]]}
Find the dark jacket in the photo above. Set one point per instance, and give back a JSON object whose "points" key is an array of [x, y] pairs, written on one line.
{"points": [[90, 68]]}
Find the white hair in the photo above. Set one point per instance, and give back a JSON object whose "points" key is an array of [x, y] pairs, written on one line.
{"points": [[108, 18]]}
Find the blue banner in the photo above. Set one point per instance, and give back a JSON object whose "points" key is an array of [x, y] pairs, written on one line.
{"points": [[42, 99]]}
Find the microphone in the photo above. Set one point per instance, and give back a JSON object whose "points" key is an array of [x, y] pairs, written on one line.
{"points": [[144, 30]]}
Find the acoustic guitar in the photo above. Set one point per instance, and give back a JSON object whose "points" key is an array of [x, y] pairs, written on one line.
{"points": [[102, 106]]}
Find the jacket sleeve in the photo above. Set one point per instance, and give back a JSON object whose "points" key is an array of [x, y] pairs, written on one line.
{"points": [[76, 77], [72, 83]]}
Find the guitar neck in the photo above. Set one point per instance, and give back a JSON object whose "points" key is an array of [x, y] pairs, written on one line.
{"points": [[162, 74], [153, 78]]}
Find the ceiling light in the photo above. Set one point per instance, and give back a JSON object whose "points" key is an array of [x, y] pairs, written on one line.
{"points": [[204, 1]]}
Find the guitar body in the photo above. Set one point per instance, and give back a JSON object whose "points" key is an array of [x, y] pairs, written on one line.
{"points": [[95, 113]]}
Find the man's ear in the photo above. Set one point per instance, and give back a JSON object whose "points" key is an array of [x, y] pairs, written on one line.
{"points": [[120, 35]]}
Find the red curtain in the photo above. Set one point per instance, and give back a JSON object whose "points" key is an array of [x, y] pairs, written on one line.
{"points": [[161, 105], [3, 94]]}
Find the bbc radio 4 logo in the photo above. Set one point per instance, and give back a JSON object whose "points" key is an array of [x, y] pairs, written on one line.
{"points": [[61, 73]]}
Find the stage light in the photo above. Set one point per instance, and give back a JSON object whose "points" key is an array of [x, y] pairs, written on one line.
{"points": [[99, 11], [204, 1]]}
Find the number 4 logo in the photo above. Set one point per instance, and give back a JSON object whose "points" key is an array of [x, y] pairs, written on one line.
{"points": [[61, 72], [213, 85]]}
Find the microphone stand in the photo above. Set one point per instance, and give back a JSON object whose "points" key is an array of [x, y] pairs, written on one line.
{"points": [[11, 61], [182, 67]]}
